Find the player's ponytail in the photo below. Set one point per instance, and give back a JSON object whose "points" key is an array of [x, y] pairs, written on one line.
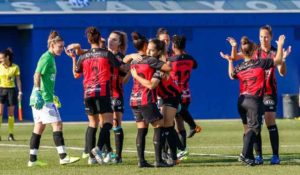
{"points": [[247, 46], [179, 42], [139, 40], [93, 35], [53, 38]]}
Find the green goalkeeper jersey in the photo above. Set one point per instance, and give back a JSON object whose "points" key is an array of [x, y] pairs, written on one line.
{"points": [[47, 68]]}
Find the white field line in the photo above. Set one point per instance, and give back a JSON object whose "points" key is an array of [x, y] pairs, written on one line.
{"points": [[132, 150]]}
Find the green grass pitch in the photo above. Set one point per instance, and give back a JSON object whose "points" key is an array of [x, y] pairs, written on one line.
{"points": [[214, 151]]}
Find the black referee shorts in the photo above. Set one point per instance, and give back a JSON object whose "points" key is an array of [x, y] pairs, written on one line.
{"points": [[8, 96]]}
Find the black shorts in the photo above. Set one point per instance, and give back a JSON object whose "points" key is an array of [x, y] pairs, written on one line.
{"points": [[97, 105], [149, 113], [171, 102], [117, 104], [270, 103], [8, 96], [251, 110]]}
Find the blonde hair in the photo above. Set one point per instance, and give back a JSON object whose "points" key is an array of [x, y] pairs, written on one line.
{"points": [[53, 38]]}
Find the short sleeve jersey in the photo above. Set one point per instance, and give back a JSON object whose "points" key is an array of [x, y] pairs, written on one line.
{"points": [[167, 88], [140, 95], [47, 68], [117, 77], [182, 66], [96, 65], [252, 76], [271, 84], [8, 75]]}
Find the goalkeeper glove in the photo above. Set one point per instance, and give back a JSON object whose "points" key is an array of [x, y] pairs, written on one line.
{"points": [[37, 99], [56, 101]]}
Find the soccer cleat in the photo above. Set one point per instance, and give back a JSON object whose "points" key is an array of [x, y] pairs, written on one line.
{"points": [[98, 154], [161, 164], [117, 160], [11, 137], [36, 163], [183, 155], [275, 160], [247, 161], [92, 161], [144, 164], [259, 160], [197, 129], [173, 162], [68, 160], [165, 156], [85, 155], [108, 157]]}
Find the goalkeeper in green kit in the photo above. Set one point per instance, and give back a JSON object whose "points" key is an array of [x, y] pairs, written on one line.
{"points": [[44, 104]]}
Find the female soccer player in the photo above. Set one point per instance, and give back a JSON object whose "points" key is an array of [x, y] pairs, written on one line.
{"points": [[41, 100], [143, 101], [182, 66], [251, 74], [96, 65], [169, 93], [266, 50], [9, 72], [117, 44]]}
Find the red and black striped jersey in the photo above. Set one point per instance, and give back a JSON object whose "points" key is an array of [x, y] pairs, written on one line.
{"points": [[145, 68], [182, 66], [252, 76], [271, 85], [167, 88], [117, 77], [96, 68]]}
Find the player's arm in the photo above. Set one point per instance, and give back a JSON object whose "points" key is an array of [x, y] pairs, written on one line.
{"points": [[77, 48], [234, 54], [282, 67], [279, 55], [19, 85], [37, 80], [133, 56], [147, 83], [230, 64], [72, 55], [126, 77]]}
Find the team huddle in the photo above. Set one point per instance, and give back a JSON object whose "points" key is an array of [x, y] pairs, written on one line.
{"points": [[160, 95]]}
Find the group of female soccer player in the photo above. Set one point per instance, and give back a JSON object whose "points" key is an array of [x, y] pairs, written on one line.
{"points": [[160, 95], [157, 71], [258, 90]]}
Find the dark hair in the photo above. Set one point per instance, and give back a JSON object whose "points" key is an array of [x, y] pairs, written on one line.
{"points": [[247, 46], [8, 53], [159, 45], [123, 40], [138, 40], [179, 41], [93, 35], [160, 31], [268, 28], [54, 37]]}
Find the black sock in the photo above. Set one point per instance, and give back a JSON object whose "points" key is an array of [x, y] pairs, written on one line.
{"points": [[182, 138], [91, 140], [248, 144], [157, 136], [104, 137], [164, 140], [274, 138], [119, 139], [60, 144], [171, 139], [34, 146], [187, 117], [141, 143], [258, 145], [85, 139]]}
